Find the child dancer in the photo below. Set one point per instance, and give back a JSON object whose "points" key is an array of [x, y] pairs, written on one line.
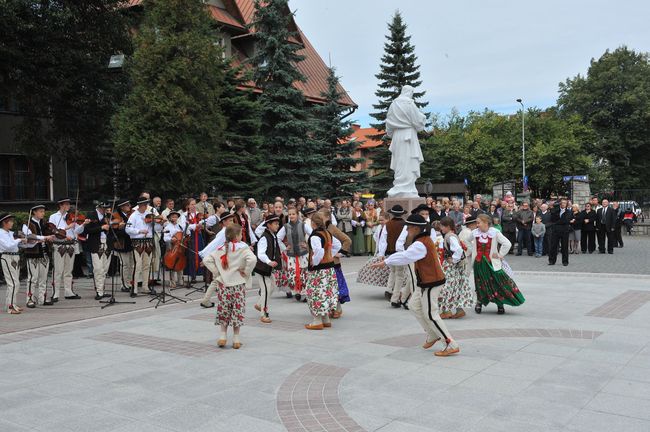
{"points": [[346, 243], [269, 262], [232, 265], [171, 237], [377, 276], [9, 259], [491, 282], [423, 253], [321, 292], [456, 294], [294, 236]]}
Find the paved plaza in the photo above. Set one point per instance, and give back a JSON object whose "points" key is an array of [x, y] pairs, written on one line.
{"points": [[574, 357]]}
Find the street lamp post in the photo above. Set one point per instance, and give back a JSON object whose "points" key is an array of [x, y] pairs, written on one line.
{"points": [[523, 146]]}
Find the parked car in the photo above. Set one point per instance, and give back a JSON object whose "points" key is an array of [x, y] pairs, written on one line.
{"points": [[624, 205]]}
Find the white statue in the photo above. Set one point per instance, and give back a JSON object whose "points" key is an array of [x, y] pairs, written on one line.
{"points": [[403, 123]]}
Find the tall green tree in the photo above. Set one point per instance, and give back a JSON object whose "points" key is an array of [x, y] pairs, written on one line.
{"points": [[398, 68], [55, 55], [614, 99], [333, 132], [297, 165], [243, 167], [170, 125]]}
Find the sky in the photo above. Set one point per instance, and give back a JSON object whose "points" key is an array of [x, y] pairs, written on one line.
{"points": [[473, 54]]}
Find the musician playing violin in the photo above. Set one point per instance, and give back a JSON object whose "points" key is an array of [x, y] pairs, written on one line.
{"points": [[64, 249], [141, 227], [121, 243], [38, 259], [195, 225], [96, 228]]}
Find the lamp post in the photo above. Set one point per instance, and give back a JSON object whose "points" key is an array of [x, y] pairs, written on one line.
{"points": [[523, 147]]}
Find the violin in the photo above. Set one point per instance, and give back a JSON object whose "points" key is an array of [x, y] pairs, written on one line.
{"points": [[75, 218], [51, 229], [118, 222], [31, 238], [175, 258], [151, 218]]}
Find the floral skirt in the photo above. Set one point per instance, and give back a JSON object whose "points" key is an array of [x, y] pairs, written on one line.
{"points": [[495, 286], [321, 291], [231, 305], [293, 276], [456, 292], [377, 276], [344, 292]]}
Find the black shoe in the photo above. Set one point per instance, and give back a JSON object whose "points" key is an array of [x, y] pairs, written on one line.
{"points": [[478, 308], [289, 295], [518, 254], [551, 263], [72, 297], [395, 305], [125, 289], [106, 295], [133, 295], [565, 264], [31, 304], [500, 310], [48, 303], [55, 300], [611, 253], [530, 254], [208, 306], [388, 295], [98, 297], [601, 252], [298, 297], [152, 292], [405, 306]]}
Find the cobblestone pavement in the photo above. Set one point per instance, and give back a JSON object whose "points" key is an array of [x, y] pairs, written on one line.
{"points": [[574, 357]]}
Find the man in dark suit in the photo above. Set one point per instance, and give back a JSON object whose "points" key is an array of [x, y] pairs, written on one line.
{"points": [[96, 228], [561, 218], [606, 225]]}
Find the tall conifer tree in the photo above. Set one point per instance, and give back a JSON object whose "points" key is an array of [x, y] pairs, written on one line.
{"points": [[398, 68], [169, 127], [334, 133], [296, 164]]}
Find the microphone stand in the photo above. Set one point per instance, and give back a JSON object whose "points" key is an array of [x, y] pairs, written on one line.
{"points": [[111, 300]]}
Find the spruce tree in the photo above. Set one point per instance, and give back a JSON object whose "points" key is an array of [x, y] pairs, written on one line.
{"points": [[170, 125], [243, 166], [398, 68], [297, 167], [334, 135]]}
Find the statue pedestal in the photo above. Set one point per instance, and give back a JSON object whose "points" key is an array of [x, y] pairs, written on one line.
{"points": [[407, 203]]}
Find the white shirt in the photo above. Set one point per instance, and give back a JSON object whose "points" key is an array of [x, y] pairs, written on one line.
{"points": [[381, 238], [414, 253], [215, 244], [456, 249], [262, 245], [401, 240], [136, 224], [318, 252], [7, 241], [101, 219], [27, 231], [171, 230], [58, 219]]}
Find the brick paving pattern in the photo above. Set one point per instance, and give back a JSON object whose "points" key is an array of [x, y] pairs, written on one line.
{"points": [[287, 326], [308, 400], [174, 346], [622, 305], [416, 339]]}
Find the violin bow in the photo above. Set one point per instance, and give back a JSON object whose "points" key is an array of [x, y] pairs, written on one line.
{"points": [[76, 206]]}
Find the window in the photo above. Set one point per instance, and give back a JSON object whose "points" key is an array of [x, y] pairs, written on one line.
{"points": [[23, 179]]}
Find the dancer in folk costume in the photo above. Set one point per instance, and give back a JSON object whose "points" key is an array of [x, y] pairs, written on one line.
{"points": [[269, 261], [63, 250], [296, 255], [394, 227], [423, 253], [466, 236], [346, 243], [231, 265], [38, 260], [456, 294], [491, 282], [377, 276], [225, 220], [9, 261], [321, 291]]}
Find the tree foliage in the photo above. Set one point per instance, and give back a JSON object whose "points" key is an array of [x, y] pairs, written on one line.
{"points": [[333, 133], [297, 164], [398, 68], [170, 126], [55, 55], [614, 99]]}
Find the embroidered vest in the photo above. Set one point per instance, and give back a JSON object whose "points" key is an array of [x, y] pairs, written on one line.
{"points": [[394, 228], [326, 242], [273, 252], [428, 270]]}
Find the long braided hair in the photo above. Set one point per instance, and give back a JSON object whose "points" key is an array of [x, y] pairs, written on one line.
{"points": [[232, 234]]}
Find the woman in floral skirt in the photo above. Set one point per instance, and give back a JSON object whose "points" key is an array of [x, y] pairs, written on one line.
{"points": [[232, 265], [456, 294], [321, 291], [491, 282]]}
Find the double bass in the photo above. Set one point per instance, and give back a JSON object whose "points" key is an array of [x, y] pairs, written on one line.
{"points": [[175, 258]]}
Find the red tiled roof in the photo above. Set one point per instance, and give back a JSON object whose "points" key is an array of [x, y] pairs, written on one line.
{"points": [[362, 135], [225, 18]]}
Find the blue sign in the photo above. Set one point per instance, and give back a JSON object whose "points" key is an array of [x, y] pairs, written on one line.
{"points": [[466, 182], [525, 183], [566, 179]]}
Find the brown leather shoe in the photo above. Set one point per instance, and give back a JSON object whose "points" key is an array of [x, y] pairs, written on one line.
{"points": [[258, 308], [427, 344], [446, 315], [236, 345], [459, 314], [327, 324], [447, 352], [265, 320], [314, 326], [221, 343]]}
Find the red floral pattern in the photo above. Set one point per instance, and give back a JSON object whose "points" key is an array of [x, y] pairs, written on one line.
{"points": [[231, 305], [322, 291]]}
